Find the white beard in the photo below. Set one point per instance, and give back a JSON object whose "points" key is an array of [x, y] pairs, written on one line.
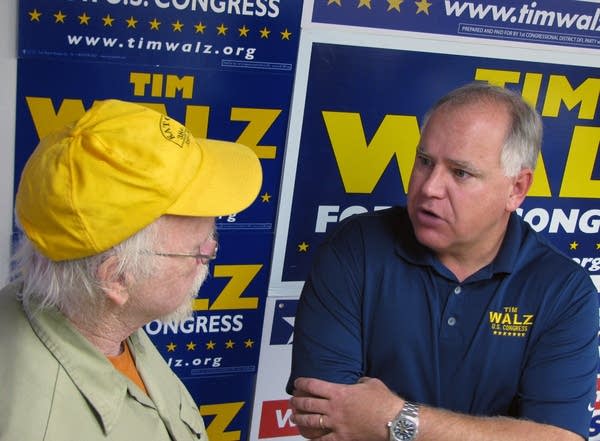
{"points": [[185, 310]]}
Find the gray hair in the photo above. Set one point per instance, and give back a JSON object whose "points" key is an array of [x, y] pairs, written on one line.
{"points": [[73, 286], [524, 136]]}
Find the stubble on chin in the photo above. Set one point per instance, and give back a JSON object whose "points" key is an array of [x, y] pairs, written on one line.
{"points": [[185, 310]]}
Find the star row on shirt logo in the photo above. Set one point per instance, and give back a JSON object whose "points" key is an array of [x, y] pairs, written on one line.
{"points": [[390, 5], [154, 25], [211, 345], [510, 334]]}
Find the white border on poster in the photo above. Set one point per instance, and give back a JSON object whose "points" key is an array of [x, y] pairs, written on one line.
{"points": [[8, 73], [273, 371], [408, 42], [308, 24]]}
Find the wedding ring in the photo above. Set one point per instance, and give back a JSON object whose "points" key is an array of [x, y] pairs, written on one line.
{"points": [[321, 422]]}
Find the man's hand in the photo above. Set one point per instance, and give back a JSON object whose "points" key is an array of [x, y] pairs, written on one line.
{"points": [[327, 411], [330, 411]]}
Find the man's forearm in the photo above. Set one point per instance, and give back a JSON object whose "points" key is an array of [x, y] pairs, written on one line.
{"points": [[442, 425], [360, 412]]}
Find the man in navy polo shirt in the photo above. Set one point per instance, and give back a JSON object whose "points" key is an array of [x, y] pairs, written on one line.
{"points": [[450, 319]]}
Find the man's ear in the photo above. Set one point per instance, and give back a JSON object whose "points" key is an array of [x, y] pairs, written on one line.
{"points": [[520, 186], [112, 281]]}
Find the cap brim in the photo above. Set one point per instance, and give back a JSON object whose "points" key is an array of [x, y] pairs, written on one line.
{"points": [[228, 181]]}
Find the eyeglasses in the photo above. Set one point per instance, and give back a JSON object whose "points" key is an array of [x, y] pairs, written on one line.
{"points": [[211, 242], [204, 258]]}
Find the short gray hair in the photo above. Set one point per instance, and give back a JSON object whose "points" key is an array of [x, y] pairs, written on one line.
{"points": [[73, 286], [524, 137]]}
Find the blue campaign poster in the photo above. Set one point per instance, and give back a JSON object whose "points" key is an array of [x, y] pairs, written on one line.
{"points": [[573, 23], [360, 128], [223, 69], [261, 35], [229, 105], [223, 337]]}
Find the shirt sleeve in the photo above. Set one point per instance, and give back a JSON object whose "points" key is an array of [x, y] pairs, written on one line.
{"points": [[565, 357], [327, 329]]}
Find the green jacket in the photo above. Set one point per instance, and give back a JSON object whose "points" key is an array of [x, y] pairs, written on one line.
{"points": [[56, 386]]}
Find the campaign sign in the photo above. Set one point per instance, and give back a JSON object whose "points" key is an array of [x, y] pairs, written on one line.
{"points": [[573, 23], [240, 106], [258, 35], [271, 416], [361, 126], [223, 337], [283, 318], [225, 403]]}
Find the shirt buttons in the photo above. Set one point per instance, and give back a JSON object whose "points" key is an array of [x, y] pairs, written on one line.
{"points": [[451, 321], [457, 290]]}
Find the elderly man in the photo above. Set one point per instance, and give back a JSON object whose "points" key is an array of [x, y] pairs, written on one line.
{"points": [[450, 320], [118, 215]]}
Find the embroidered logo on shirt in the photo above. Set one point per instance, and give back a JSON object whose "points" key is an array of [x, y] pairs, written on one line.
{"points": [[510, 322]]}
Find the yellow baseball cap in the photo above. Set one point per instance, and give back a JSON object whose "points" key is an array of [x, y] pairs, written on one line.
{"points": [[93, 184]]}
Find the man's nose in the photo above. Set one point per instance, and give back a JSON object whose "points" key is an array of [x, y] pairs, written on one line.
{"points": [[435, 182]]}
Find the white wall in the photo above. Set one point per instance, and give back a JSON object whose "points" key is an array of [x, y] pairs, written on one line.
{"points": [[8, 76]]}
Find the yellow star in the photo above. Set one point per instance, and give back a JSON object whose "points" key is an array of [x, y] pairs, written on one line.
{"points": [[108, 20], [394, 4], [243, 31], [362, 3], [285, 35], [264, 32], [171, 347], [59, 17], [222, 29], [200, 28], [337, 2], [229, 344], [84, 19], [573, 245], [35, 15], [303, 247], [210, 345], [598, 246], [423, 6], [191, 346], [154, 24], [266, 197], [131, 22], [177, 26], [248, 343]]}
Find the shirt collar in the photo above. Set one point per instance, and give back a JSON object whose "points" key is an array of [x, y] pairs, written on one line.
{"points": [[408, 248], [505, 260], [89, 369]]}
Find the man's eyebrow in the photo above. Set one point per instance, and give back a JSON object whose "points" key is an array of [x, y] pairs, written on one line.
{"points": [[420, 151], [465, 165]]}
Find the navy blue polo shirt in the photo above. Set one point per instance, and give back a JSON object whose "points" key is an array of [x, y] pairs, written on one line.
{"points": [[517, 338]]}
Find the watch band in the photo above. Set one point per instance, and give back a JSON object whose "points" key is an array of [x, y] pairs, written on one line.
{"points": [[410, 409], [405, 426]]}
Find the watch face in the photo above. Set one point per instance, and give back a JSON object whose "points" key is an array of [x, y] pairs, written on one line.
{"points": [[404, 430]]}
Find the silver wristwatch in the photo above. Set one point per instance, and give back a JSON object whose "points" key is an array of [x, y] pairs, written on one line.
{"points": [[406, 424]]}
